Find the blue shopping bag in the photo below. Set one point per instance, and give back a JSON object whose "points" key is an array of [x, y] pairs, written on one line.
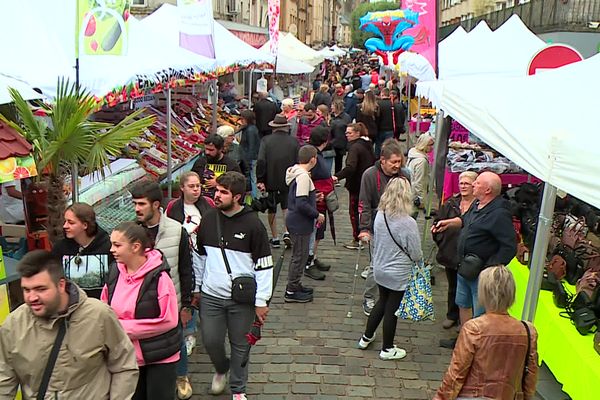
{"points": [[417, 303]]}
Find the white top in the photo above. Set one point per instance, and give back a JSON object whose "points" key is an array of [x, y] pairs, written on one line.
{"points": [[191, 222], [11, 209]]}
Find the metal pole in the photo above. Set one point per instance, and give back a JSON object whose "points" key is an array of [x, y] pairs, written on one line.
{"points": [[540, 247], [418, 117], [75, 182], [215, 99], [409, 116], [250, 88], [439, 125], [169, 150]]}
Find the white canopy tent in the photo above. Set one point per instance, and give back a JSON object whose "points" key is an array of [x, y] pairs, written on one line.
{"points": [[291, 47], [24, 89]]}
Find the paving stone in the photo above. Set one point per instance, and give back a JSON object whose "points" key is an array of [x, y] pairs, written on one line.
{"points": [[305, 388], [359, 391], [307, 378], [327, 369]]}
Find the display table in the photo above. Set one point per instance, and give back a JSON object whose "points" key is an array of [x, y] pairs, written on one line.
{"points": [[423, 127], [451, 181], [570, 356]]}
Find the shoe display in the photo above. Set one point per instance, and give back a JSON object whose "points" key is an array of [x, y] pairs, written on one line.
{"points": [[287, 240], [297, 297], [190, 343], [313, 273], [275, 243], [184, 388], [364, 342], [368, 305], [320, 266], [448, 323], [219, 381], [352, 245], [365, 272], [239, 396], [448, 343], [306, 289], [395, 353]]}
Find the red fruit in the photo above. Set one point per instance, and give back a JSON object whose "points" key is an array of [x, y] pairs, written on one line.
{"points": [[90, 29], [94, 45], [21, 172], [126, 15]]}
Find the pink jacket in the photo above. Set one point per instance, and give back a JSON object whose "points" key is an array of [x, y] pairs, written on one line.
{"points": [[124, 303], [304, 129]]}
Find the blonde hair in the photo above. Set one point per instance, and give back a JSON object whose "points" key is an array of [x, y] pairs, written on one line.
{"points": [[496, 289], [471, 175], [225, 130], [323, 109], [423, 142], [369, 105], [397, 199], [287, 103], [324, 88]]}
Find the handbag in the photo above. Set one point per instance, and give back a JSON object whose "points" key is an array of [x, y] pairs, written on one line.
{"points": [[525, 367], [470, 267], [332, 201], [417, 302], [574, 232], [557, 267], [243, 287], [62, 329]]}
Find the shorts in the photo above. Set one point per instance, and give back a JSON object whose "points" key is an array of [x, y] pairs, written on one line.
{"points": [[274, 198], [466, 295]]}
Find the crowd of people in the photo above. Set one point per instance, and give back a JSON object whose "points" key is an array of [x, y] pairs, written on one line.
{"points": [[126, 329]]}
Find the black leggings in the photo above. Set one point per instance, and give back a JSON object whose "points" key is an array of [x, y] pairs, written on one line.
{"points": [[386, 306], [339, 157], [156, 382]]}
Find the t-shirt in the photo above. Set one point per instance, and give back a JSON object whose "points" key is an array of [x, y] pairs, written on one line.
{"points": [[11, 209], [191, 222]]}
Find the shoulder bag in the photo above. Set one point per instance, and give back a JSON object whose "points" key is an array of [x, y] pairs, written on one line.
{"points": [[62, 329], [525, 367], [243, 287]]}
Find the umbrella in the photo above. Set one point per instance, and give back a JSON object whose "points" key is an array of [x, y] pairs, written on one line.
{"points": [[255, 332]]}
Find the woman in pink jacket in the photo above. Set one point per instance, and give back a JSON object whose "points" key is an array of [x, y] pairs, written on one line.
{"points": [[143, 296]]}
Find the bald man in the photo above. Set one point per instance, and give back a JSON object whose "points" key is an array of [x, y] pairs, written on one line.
{"points": [[487, 238]]}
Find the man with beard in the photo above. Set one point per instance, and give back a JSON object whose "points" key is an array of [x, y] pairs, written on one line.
{"points": [[97, 359], [173, 241], [213, 164], [243, 241]]}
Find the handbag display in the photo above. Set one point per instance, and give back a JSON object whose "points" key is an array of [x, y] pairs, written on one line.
{"points": [[243, 287], [470, 267], [574, 232], [557, 267]]}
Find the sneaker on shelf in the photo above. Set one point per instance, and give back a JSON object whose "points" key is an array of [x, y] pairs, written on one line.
{"points": [[368, 305], [184, 388], [275, 243], [306, 289], [395, 353], [352, 245], [448, 323], [364, 342], [287, 240], [314, 273], [365, 273], [448, 343], [320, 266], [190, 343], [297, 297], [239, 396], [219, 381]]}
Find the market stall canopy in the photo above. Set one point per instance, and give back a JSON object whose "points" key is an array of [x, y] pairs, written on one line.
{"points": [[42, 49], [332, 53], [8, 82], [16, 161], [291, 47], [517, 117], [416, 66]]}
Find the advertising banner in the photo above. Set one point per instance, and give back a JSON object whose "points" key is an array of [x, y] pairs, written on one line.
{"points": [[274, 13], [196, 26], [102, 27]]}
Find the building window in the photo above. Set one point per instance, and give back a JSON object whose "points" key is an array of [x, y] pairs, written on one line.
{"points": [[139, 3]]}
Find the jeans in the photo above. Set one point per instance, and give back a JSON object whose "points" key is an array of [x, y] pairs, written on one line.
{"points": [[252, 177], [300, 248], [329, 161], [370, 285], [466, 295], [182, 364], [156, 382], [381, 137], [385, 308], [311, 242], [452, 313], [220, 317]]}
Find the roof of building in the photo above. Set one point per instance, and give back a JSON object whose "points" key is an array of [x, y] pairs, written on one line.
{"points": [[12, 144]]}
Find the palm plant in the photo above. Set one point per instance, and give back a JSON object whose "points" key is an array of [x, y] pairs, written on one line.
{"points": [[71, 139]]}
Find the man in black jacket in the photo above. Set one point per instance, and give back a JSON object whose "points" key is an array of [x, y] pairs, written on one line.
{"points": [[213, 164], [389, 120], [339, 122], [276, 154], [265, 111]]}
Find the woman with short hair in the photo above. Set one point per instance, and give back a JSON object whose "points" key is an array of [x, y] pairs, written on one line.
{"points": [[396, 248], [496, 355]]}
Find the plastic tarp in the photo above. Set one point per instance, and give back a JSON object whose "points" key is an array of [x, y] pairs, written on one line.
{"points": [[42, 49], [229, 49], [24, 89], [291, 47], [416, 66], [518, 117]]}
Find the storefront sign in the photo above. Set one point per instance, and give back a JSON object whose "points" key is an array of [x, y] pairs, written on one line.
{"points": [[144, 101]]}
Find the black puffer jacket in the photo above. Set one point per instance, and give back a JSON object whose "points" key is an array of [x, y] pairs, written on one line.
{"points": [[360, 157], [447, 241], [339, 123]]}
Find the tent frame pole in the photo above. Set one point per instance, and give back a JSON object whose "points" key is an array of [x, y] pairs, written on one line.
{"points": [[215, 100], [409, 115], [439, 125], [169, 145], [540, 248]]}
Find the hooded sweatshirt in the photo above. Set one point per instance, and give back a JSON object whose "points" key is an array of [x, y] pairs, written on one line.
{"points": [[124, 303], [302, 201], [418, 164]]}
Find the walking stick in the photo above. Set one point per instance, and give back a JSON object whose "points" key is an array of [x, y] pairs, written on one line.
{"points": [[349, 313]]}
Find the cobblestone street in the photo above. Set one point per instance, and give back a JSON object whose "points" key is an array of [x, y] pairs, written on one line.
{"points": [[308, 351]]}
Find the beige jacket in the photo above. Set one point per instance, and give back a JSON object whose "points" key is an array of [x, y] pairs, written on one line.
{"points": [[96, 359]]}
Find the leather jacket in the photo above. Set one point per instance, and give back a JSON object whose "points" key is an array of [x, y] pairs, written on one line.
{"points": [[481, 365]]}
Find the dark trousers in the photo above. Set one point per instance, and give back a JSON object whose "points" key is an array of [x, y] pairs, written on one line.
{"points": [[452, 313], [385, 308], [339, 158], [156, 382], [300, 250], [354, 217]]}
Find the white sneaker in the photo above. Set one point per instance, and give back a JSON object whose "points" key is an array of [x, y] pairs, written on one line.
{"points": [[364, 342], [395, 353], [365, 272], [190, 343], [240, 396], [219, 381]]}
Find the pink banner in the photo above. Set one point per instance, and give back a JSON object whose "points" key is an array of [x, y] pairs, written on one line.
{"points": [[196, 26], [274, 12], [425, 31]]}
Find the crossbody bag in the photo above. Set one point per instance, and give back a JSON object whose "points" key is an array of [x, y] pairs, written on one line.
{"points": [[394, 239], [243, 287], [525, 367], [62, 329]]}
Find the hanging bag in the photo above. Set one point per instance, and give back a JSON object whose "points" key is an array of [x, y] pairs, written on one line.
{"points": [[417, 302], [62, 329]]}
